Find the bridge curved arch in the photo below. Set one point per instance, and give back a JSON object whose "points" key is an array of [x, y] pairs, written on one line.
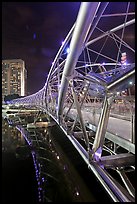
{"points": [[89, 77], [57, 68], [81, 75]]}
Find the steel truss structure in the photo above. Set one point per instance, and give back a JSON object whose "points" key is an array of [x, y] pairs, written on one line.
{"points": [[87, 74]]}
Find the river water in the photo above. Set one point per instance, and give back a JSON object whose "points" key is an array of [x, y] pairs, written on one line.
{"points": [[40, 166], [35, 169]]}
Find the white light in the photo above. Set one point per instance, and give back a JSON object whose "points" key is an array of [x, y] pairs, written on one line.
{"points": [[62, 42], [57, 157], [125, 63], [123, 54], [68, 50], [131, 82], [77, 193]]}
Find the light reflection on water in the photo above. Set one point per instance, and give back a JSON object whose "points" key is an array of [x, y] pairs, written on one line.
{"points": [[56, 178], [11, 138], [17, 167]]}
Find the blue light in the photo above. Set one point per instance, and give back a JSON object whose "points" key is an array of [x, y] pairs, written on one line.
{"points": [[34, 36], [7, 102]]}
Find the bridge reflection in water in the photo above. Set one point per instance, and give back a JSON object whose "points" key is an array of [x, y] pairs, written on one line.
{"points": [[55, 179], [60, 172], [81, 76]]}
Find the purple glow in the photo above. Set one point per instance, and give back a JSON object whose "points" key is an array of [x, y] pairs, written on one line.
{"points": [[36, 164], [97, 154], [7, 102], [34, 36], [37, 174]]}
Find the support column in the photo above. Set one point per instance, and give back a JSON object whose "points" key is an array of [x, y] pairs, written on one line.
{"points": [[84, 21], [101, 129], [80, 118], [133, 127]]}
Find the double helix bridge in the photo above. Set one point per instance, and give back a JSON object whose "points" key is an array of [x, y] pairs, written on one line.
{"points": [[89, 93]]}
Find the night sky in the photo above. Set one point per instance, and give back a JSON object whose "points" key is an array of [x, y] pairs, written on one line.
{"points": [[33, 32]]}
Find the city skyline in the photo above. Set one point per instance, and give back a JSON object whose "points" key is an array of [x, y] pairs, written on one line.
{"points": [[14, 77]]}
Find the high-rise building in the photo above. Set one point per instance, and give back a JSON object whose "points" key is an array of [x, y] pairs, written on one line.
{"points": [[14, 77]]}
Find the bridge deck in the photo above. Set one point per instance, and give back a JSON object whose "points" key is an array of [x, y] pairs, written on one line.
{"points": [[118, 130]]}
